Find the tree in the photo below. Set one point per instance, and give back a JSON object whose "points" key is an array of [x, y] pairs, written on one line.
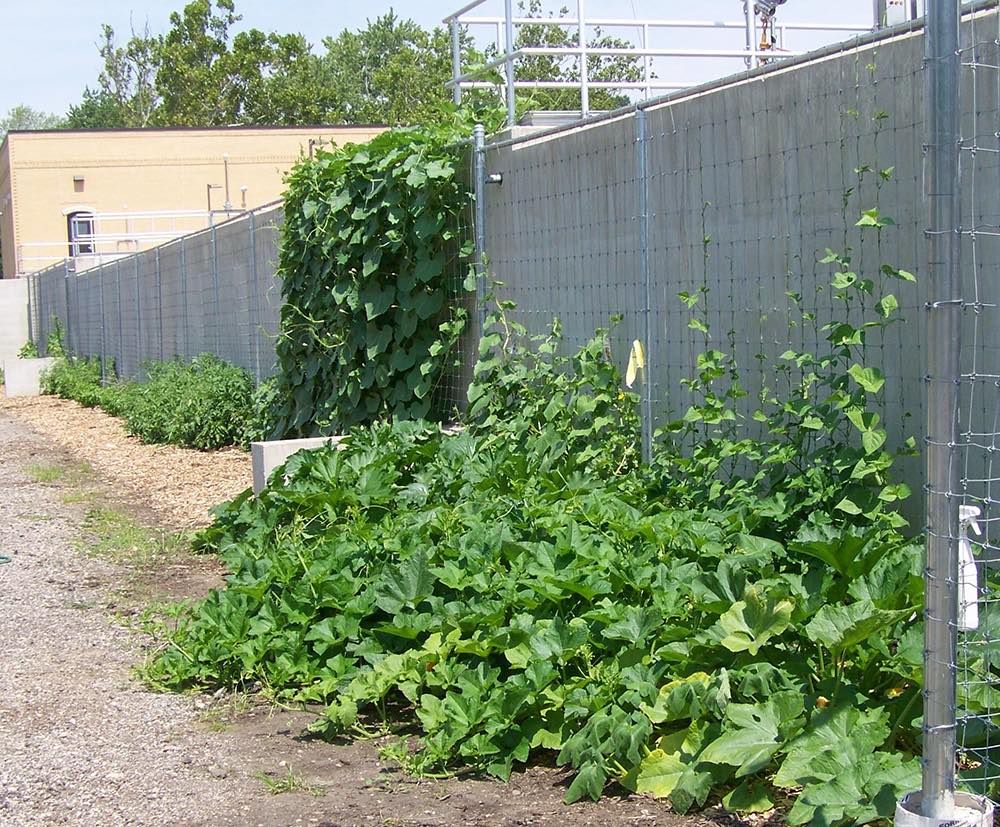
{"points": [[392, 72], [23, 116]]}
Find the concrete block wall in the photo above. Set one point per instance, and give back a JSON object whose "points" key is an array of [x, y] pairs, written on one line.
{"points": [[13, 316]]}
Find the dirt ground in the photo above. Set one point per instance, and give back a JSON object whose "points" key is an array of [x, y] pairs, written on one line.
{"points": [[92, 541]]}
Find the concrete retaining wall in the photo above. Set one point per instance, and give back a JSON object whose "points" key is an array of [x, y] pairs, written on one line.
{"points": [[13, 316]]}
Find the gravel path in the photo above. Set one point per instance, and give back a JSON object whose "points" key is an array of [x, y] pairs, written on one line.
{"points": [[82, 742]]}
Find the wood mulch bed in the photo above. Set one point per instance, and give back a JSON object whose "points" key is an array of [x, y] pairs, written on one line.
{"points": [[178, 484]]}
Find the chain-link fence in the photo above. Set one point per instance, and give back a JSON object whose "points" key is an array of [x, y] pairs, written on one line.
{"points": [[210, 292]]}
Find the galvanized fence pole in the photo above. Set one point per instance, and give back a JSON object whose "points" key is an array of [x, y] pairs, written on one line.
{"points": [[121, 324], [647, 345], [31, 311], [139, 354], [104, 331], [184, 298], [479, 192], [69, 336], [943, 329], [217, 338], [254, 298], [159, 301]]}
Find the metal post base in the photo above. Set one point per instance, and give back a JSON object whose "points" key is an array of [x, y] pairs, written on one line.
{"points": [[970, 811]]}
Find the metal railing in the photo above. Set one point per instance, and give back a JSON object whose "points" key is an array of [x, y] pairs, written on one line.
{"points": [[764, 40], [94, 238]]}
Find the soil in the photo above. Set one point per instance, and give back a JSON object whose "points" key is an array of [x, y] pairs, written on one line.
{"points": [[86, 743]]}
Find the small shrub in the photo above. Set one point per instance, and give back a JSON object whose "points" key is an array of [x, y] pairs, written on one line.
{"points": [[77, 379], [29, 350], [204, 404], [54, 345]]}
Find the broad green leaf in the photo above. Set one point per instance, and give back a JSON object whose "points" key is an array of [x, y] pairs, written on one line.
{"points": [[659, 773], [841, 627], [589, 781], [748, 798], [753, 621], [870, 379], [754, 732]]}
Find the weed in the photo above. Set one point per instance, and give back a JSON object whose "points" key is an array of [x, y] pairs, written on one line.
{"points": [[288, 783], [113, 535], [44, 472]]}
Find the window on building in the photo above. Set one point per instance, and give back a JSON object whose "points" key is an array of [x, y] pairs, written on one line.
{"points": [[80, 231]]}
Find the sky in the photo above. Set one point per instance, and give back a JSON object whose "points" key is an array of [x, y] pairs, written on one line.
{"points": [[49, 49]]}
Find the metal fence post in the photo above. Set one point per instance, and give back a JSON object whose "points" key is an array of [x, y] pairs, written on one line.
{"points": [[254, 307], [31, 311], [944, 316], [121, 324], [104, 332], [159, 301], [140, 355], [647, 345], [184, 297], [479, 191], [217, 338], [69, 335]]}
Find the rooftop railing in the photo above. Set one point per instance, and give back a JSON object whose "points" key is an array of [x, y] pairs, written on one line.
{"points": [[765, 39]]}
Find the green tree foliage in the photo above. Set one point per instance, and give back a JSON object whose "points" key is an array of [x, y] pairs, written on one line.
{"points": [[393, 71], [23, 116]]}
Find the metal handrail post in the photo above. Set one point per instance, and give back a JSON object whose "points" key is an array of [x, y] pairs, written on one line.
{"points": [[479, 190], [509, 61], [456, 62], [584, 70], [944, 317]]}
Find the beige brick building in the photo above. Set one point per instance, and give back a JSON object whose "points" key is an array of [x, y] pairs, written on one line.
{"points": [[99, 194]]}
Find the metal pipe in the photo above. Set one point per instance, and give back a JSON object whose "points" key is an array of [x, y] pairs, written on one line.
{"points": [[748, 25], [833, 49], [456, 62], [479, 189], [509, 60], [228, 206], [467, 7], [646, 74], [31, 311], [584, 69], [943, 331], [631, 23], [647, 327]]}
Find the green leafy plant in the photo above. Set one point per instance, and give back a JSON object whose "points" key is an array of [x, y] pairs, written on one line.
{"points": [[29, 350], [54, 343], [737, 619], [368, 247], [205, 403]]}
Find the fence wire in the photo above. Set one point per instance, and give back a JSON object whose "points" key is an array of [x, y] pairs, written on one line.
{"points": [[210, 292], [977, 470], [734, 193]]}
